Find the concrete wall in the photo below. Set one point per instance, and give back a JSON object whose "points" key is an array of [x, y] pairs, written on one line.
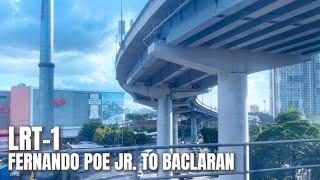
{"points": [[70, 107]]}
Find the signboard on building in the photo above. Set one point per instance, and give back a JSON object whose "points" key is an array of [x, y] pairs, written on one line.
{"points": [[94, 106], [94, 101], [94, 112], [59, 102], [112, 110], [94, 96], [4, 110]]}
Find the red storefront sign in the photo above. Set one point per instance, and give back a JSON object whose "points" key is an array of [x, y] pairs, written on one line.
{"points": [[59, 102], [4, 110]]}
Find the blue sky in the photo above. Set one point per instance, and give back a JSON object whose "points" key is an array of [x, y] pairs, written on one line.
{"points": [[84, 45]]}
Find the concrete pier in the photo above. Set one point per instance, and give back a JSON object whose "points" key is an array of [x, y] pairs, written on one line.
{"points": [[175, 129], [164, 128], [233, 119], [194, 130]]}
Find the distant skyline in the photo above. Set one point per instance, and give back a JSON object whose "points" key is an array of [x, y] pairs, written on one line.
{"points": [[85, 46]]}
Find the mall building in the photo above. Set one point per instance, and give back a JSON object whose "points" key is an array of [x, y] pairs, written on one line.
{"points": [[72, 108]]}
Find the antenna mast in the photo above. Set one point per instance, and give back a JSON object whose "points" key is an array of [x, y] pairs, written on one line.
{"points": [[121, 32]]}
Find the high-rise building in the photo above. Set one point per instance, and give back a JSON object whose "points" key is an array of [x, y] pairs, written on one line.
{"points": [[296, 86], [254, 108]]}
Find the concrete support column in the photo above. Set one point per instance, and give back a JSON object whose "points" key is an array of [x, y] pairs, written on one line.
{"points": [[175, 129], [194, 130], [164, 129], [233, 119]]}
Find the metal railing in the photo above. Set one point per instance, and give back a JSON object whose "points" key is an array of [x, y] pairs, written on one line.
{"points": [[166, 19], [137, 150], [206, 106]]}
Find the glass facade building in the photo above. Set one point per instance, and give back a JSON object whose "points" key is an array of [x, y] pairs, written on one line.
{"points": [[296, 86]]}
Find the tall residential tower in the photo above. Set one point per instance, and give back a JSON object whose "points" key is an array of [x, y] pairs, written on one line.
{"points": [[296, 86]]}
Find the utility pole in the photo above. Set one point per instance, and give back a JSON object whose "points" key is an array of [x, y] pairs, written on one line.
{"points": [[46, 67], [122, 25], [121, 32]]}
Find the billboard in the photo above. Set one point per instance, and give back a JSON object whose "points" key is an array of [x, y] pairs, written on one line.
{"points": [[94, 112], [112, 110], [94, 106]]}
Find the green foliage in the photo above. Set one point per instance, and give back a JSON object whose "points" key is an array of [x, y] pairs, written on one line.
{"points": [[100, 135], [111, 135], [290, 115], [209, 134], [142, 139], [106, 135], [135, 116], [88, 130], [149, 130], [128, 137], [289, 126], [256, 129]]}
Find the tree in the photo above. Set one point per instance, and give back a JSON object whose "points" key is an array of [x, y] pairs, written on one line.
{"points": [[142, 139], [111, 135], [100, 135], [289, 115], [210, 135], [289, 126], [256, 129], [106, 135], [88, 130], [128, 137]]}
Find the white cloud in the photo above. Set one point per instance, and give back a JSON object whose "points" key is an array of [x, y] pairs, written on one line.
{"points": [[258, 89], [80, 64], [85, 46]]}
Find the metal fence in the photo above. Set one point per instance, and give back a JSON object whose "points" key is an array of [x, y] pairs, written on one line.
{"points": [[137, 150]]}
